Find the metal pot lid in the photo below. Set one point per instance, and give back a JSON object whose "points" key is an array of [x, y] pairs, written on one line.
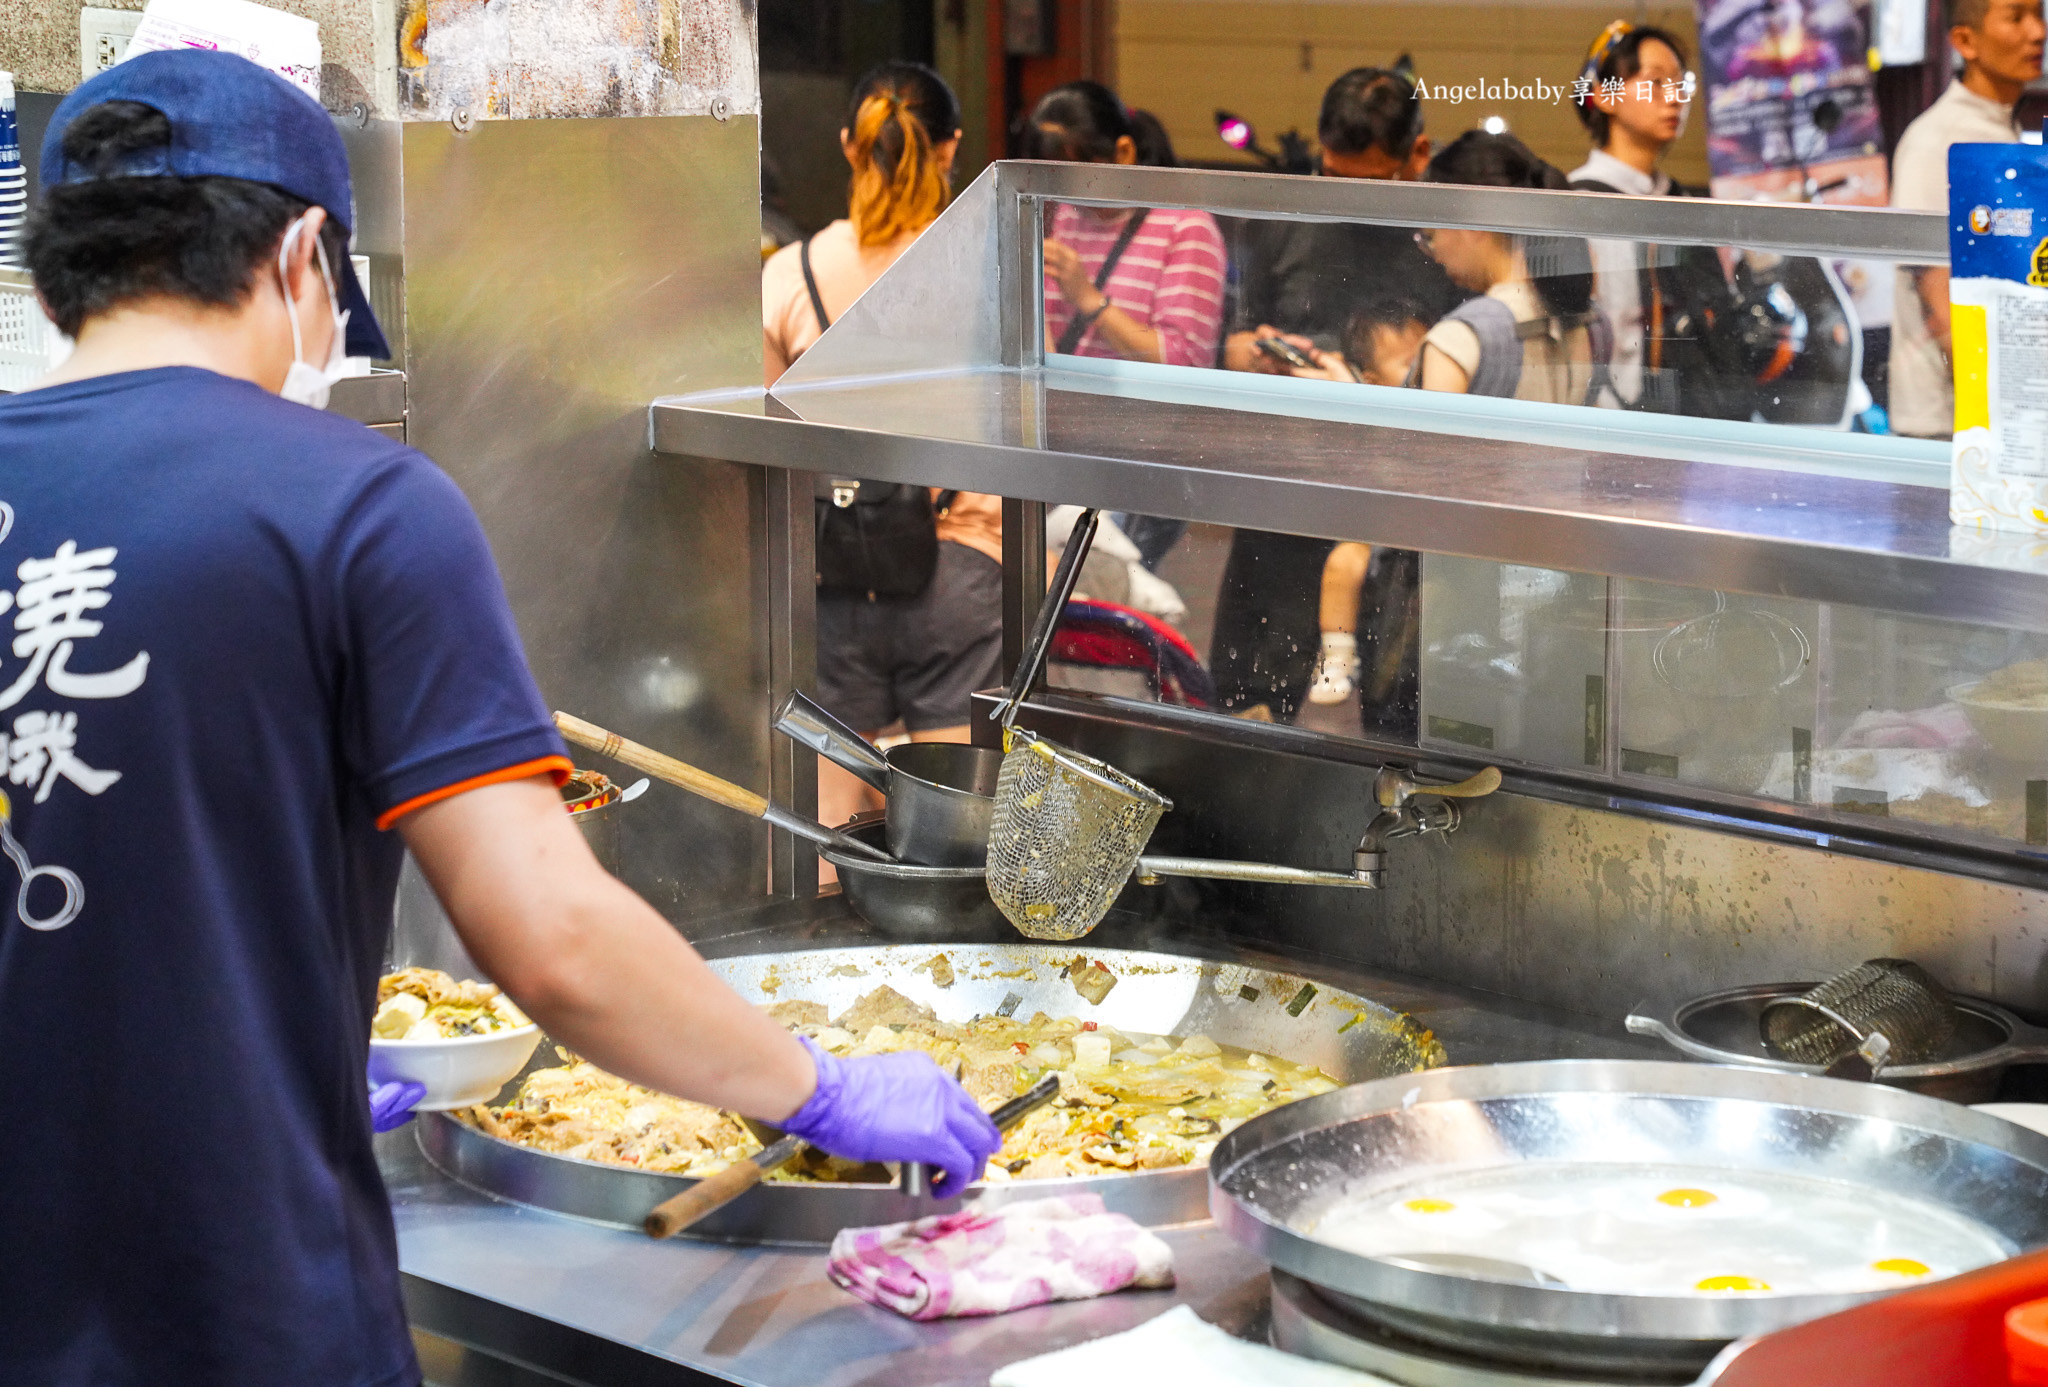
{"points": [[1273, 1178], [1722, 1028]]}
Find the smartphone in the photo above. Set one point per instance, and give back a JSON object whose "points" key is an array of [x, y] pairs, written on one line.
{"points": [[1281, 350]]}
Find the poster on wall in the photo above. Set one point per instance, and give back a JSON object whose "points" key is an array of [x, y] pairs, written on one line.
{"points": [[1791, 110]]}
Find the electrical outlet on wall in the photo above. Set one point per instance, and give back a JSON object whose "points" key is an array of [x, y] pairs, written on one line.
{"points": [[103, 36]]}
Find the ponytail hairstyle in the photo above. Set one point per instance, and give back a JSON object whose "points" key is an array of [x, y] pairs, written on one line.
{"points": [[900, 114], [1155, 146], [1079, 123], [1560, 267]]}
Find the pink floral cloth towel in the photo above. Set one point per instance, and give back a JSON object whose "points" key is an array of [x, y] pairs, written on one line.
{"points": [[985, 1262]]}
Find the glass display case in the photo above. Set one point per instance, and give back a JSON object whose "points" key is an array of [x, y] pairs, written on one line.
{"points": [[1669, 555]]}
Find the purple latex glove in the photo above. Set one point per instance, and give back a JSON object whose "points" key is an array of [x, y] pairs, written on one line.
{"points": [[391, 1104], [899, 1107]]}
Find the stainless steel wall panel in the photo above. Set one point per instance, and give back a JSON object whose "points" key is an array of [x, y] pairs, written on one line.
{"points": [[1560, 904], [558, 274], [936, 309]]}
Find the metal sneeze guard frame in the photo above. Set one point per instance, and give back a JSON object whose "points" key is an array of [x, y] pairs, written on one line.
{"points": [[939, 376]]}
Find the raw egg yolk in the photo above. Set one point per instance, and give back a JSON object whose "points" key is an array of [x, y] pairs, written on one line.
{"points": [[1688, 1199], [1429, 1206], [1900, 1266], [1732, 1283]]}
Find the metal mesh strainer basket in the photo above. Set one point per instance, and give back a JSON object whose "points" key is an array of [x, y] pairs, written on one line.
{"points": [[1066, 832], [1892, 995]]}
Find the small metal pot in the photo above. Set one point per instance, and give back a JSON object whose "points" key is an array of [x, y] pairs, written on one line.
{"points": [[940, 794], [924, 905]]}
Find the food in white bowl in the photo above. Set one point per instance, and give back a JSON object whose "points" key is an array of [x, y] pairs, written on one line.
{"points": [[2009, 710], [461, 1040]]}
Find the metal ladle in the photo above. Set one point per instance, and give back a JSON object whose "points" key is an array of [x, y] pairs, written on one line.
{"points": [[939, 794]]}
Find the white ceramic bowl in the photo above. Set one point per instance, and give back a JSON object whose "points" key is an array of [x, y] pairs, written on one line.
{"points": [[459, 1071], [2016, 734]]}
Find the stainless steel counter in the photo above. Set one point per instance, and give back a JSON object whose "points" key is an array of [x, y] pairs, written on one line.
{"points": [[1203, 447], [591, 1304]]}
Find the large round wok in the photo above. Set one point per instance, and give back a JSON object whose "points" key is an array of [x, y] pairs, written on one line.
{"points": [[1276, 1013], [1274, 1178]]}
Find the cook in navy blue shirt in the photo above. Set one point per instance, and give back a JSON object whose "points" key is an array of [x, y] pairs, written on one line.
{"points": [[248, 642]]}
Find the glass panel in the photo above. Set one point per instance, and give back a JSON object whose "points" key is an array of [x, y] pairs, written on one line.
{"points": [[1717, 690], [1632, 327], [1842, 712], [1937, 723], [1514, 661], [1239, 622]]}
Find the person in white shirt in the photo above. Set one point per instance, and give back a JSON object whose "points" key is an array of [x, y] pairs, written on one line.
{"points": [[2000, 44]]}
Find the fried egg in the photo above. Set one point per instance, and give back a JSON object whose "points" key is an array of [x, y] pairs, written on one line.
{"points": [[1669, 1230]]}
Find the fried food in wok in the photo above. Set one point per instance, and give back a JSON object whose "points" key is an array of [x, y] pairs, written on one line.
{"points": [[1128, 1102]]}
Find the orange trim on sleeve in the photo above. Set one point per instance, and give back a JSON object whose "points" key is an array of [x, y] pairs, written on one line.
{"points": [[558, 767]]}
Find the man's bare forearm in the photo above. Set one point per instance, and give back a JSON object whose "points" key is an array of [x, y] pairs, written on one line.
{"points": [[592, 962], [1931, 284]]}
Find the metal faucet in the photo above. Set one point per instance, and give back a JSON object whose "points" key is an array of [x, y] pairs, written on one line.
{"points": [[1400, 816], [1408, 809]]}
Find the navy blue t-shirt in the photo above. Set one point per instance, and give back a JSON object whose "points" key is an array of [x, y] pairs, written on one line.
{"points": [[243, 634]]}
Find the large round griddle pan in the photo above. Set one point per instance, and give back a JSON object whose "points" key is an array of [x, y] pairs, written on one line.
{"points": [[1276, 1013], [1274, 1177]]}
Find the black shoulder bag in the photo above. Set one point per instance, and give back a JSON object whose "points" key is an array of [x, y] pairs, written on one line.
{"points": [[878, 539]]}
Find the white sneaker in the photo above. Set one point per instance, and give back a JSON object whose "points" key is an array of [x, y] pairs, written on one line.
{"points": [[1336, 669]]}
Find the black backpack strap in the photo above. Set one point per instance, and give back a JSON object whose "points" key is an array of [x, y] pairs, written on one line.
{"points": [[803, 256], [1071, 335]]}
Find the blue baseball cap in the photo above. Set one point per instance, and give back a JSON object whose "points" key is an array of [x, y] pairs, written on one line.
{"points": [[229, 119]]}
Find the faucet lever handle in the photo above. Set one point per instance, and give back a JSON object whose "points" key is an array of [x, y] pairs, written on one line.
{"points": [[1394, 787]]}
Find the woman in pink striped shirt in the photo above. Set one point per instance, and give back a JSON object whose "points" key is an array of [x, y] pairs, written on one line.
{"points": [[1162, 298]]}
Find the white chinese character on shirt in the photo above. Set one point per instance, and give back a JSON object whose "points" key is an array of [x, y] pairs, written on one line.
{"points": [[44, 745], [50, 614]]}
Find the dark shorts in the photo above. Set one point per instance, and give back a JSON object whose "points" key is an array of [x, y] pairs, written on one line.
{"points": [[915, 658]]}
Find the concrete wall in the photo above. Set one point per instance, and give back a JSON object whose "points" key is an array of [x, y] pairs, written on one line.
{"points": [[39, 43], [500, 59]]}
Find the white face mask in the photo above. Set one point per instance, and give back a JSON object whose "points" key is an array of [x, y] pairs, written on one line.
{"points": [[306, 383]]}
